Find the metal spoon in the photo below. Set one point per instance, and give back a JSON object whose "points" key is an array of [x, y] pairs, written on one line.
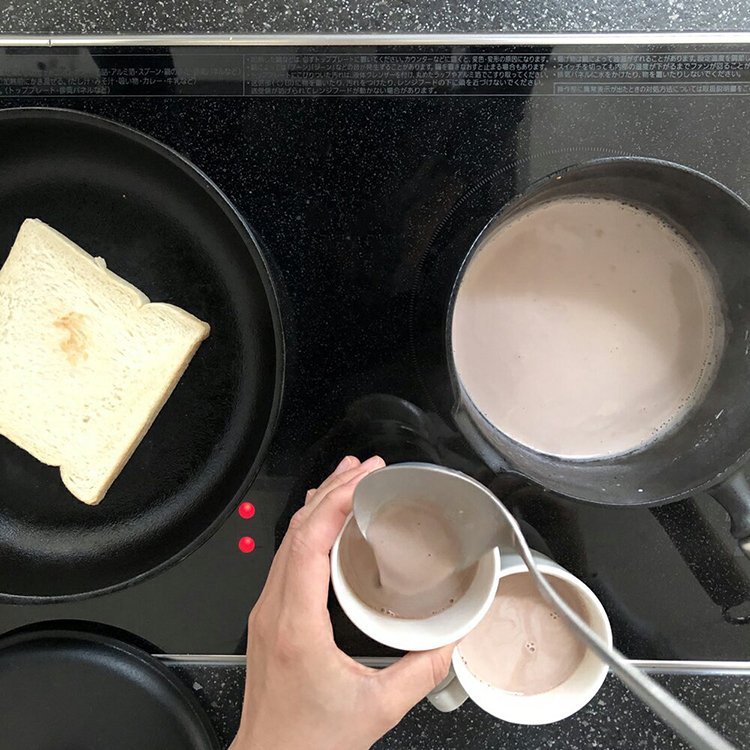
{"points": [[483, 522]]}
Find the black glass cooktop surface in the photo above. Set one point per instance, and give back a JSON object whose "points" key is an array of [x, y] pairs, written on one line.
{"points": [[348, 164]]}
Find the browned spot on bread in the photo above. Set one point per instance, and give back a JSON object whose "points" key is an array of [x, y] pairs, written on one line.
{"points": [[74, 343]]}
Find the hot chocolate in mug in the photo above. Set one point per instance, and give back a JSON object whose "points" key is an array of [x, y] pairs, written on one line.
{"points": [[423, 634], [561, 701]]}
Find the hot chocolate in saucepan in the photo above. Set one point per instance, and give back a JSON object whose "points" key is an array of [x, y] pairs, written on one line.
{"points": [[586, 328]]}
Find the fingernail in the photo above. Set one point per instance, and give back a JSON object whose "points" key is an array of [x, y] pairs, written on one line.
{"points": [[373, 463], [345, 463]]}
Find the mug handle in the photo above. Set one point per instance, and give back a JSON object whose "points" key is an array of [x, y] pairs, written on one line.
{"points": [[449, 694], [734, 495]]}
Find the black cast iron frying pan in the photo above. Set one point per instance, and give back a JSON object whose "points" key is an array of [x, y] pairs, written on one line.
{"points": [[166, 228], [710, 447], [68, 689]]}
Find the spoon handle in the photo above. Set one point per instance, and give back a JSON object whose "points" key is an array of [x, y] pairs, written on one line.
{"points": [[681, 719]]}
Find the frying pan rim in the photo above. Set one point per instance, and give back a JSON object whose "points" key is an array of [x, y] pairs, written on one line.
{"points": [[272, 292], [459, 392], [28, 635]]}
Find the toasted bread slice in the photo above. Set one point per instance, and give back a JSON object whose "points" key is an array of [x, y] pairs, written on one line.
{"points": [[86, 360]]}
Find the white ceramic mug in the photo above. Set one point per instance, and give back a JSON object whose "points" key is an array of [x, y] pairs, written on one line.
{"points": [[544, 708], [431, 632]]}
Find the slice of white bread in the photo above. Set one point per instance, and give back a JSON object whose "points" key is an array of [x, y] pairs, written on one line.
{"points": [[86, 361]]}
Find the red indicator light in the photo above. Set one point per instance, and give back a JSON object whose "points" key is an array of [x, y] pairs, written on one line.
{"points": [[246, 544], [246, 510]]}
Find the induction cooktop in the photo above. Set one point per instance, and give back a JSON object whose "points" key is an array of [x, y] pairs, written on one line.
{"points": [[347, 158]]}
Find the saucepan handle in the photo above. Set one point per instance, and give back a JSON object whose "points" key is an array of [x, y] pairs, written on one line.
{"points": [[734, 495]]}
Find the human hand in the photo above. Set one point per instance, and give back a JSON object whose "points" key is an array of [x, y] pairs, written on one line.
{"points": [[301, 691]]}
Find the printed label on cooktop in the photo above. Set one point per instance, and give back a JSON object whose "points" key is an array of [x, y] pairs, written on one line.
{"points": [[299, 73]]}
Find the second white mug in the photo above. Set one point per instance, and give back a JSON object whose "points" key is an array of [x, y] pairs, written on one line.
{"points": [[543, 708]]}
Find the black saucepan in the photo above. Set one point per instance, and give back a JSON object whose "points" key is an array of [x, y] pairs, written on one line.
{"points": [[166, 228], [708, 450]]}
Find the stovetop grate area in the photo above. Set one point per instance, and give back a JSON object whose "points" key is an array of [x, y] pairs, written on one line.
{"points": [[346, 193]]}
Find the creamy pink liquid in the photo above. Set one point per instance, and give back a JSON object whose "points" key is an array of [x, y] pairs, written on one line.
{"points": [[522, 646], [586, 328], [407, 567]]}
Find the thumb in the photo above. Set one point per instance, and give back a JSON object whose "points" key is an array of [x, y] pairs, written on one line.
{"points": [[410, 679]]}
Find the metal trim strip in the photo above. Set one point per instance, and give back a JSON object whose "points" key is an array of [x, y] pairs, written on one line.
{"points": [[654, 666], [359, 40]]}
